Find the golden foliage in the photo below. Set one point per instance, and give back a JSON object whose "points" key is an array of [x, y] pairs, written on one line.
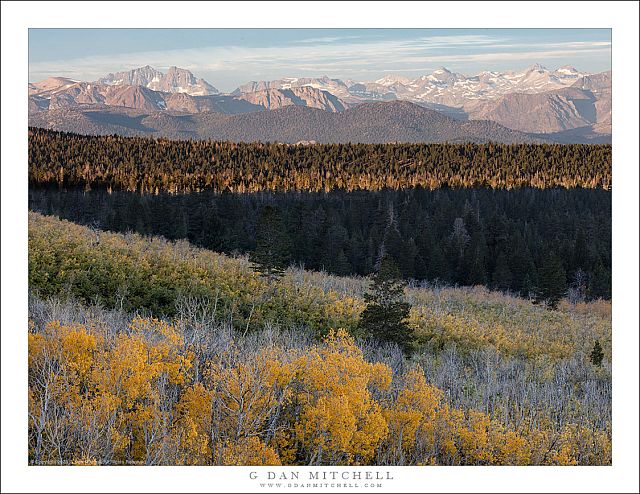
{"points": [[412, 418], [339, 422], [192, 426], [247, 394], [249, 451], [130, 398]]}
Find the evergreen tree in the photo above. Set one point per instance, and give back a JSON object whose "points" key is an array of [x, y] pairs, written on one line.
{"points": [[271, 255], [333, 256], [420, 271], [356, 252], [600, 284], [475, 260], [150, 165], [340, 265], [596, 354], [580, 257], [552, 281], [528, 286], [502, 276], [438, 267], [397, 248], [385, 313], [520, 264]]}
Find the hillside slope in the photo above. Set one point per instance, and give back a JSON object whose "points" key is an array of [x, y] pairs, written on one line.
{"points": [[60, 253], [367, 123]]}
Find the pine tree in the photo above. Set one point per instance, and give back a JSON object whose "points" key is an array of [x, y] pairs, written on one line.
{"points": [[438, 266], [502, 276], [396, 247], [596, 354], [271, 255], [385, 314], [475, 260], [552, 281], [600, 282], [580, 257], [340, 264]]}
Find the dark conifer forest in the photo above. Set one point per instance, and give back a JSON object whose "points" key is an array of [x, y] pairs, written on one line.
{"points": [[527, 241]]}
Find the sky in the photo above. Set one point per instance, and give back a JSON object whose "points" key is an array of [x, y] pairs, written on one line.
{"points": [[228, 58]]}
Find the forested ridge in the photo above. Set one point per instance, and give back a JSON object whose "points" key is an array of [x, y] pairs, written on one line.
{"points": [[153, 165], [144, 351], [521, 240]]}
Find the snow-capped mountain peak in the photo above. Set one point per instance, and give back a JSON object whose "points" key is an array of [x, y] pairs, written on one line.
{"points": [[441, 70], [567, 70], [392, 79], [537, 68], [176, 80]]}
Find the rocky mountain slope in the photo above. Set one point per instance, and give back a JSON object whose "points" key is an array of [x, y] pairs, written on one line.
{"points": [[86, 93], [176, 80], [334, 86], [50, 84], [553, 111], [585, 104], [272, 99], [67, 94]]}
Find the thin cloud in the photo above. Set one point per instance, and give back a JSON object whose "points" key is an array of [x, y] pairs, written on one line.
{"points": [[341, 56]]}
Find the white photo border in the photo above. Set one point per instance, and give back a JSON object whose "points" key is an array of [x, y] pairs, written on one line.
{"points": [[621, 17]]}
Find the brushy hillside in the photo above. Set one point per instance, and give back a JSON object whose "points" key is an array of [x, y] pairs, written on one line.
{"points": [[230, 369], [132, 272]]}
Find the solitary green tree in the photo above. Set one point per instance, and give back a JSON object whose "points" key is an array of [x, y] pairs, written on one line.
{"points": [[596, 354], [385, 314], [271, 255]]}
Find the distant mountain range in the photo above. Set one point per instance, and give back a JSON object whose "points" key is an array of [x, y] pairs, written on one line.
{"points": [[148, 89], [564, 105], [441, 86]]}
